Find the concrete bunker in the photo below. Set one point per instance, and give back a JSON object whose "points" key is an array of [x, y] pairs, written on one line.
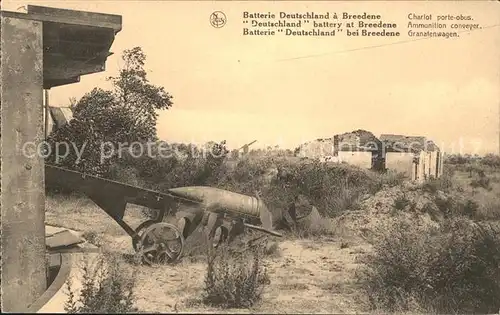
{"points": [[415, 156], [41, 49]]}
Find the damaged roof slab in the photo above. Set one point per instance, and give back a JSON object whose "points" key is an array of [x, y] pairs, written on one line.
{"points": [[75, 43]]}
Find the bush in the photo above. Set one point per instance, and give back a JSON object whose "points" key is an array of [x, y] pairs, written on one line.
{"points": [[178, 165], [107, 287], [491, 160], [444, 183], [234, 280], [459, 159], [470, 208], [490, 209], [401, 202], [483, 181], [389, 178], [279, 178], [453, 268], [331, 188], [451, 206]]}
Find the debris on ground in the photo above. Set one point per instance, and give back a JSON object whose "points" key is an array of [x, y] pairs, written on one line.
{"points": [[63, 239]]}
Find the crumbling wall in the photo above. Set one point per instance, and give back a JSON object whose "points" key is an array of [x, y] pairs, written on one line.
{"points": [[440, 167], [421, 166], [357, 140], [316, 149], [360, 159], [434, 164], [401, 162]]}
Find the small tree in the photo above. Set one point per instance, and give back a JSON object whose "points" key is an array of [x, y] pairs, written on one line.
{"points": [[105, 119], [134, 92]]}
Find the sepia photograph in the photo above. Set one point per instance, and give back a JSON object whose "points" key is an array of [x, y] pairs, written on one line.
{"points": [[258, 157]]}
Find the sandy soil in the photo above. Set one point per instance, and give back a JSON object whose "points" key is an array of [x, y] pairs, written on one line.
{"points": [[307, 276]]}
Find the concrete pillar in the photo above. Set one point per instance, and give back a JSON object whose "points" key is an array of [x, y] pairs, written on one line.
{"points": [[22, 177], [441, 160]]}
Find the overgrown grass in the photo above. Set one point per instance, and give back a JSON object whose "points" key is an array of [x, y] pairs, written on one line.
{"points": [[450, 269], [106, 287], [234, 279], [449, 266], [401, 202], [387, 179], [482, 181], [489, 160], [489, 206], [280, 179]]}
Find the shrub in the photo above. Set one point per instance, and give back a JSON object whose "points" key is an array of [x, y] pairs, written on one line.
{"points": [[483, 181], [107, 287], [234, 280], [470, 208], [453, 268], [389, 178], [279, 178], [331, 188], [450, 206], [433, 185], [459, 159], [401, 202], [491, 160], [178, 165], [490, 209]]}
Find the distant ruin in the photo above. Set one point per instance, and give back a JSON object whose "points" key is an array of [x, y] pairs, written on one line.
{"points": [[415, 156]]}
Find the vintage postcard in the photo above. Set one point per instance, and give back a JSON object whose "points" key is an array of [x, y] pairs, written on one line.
{"points": [[250, 156]]}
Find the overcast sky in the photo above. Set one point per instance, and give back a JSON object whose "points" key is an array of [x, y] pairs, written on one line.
{"points": [[287, 90]]}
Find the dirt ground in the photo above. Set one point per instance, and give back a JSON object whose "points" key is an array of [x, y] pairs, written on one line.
{"points": [[307, 276]]}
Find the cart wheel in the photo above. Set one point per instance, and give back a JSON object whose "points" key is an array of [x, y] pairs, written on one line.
{"points": [[161, 243], [136, 240]]}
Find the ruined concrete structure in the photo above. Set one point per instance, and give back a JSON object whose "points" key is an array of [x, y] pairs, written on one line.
{"points": [[317, 149], [41, 49], [416, 157], [360, 148]]}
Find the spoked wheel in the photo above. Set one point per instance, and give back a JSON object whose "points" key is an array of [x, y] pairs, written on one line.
{"points": [[161, 243], [139, 230]]}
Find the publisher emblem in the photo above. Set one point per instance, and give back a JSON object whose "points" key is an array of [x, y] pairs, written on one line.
{"points": [[218, 19]]}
